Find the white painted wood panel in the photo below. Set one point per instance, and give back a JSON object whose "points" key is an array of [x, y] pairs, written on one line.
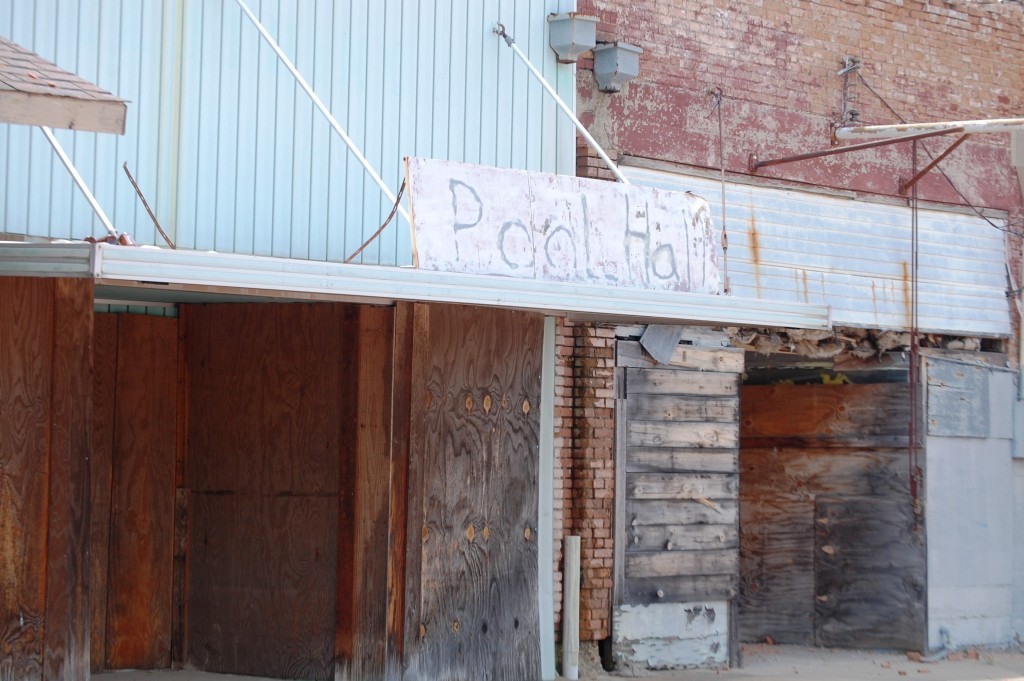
{"points": [[530, 225]]}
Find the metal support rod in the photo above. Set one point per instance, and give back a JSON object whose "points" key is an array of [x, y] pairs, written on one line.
{"points": [[323, 109], [510, 41], [755, 164], [904, 186], [863, 132], [84, 188]]}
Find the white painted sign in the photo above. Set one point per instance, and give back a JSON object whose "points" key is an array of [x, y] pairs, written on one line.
{"points": [[515, 223]]}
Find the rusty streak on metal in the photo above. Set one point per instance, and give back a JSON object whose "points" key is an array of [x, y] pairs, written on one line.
{"points": [[755, 164], [904, 186]]}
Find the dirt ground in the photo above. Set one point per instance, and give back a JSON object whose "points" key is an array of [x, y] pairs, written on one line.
{"points": [[762, 662]]}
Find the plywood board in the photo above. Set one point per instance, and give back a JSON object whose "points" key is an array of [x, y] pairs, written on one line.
{"points": [[869, 574], [795, 473], [530, 225], [272, 416], [776, 563], [475, 422], [139, 585], [826, 415], [262, 585]]}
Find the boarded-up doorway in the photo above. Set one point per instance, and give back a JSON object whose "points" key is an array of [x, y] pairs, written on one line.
{"points": [[832, 551], [677, 561]]}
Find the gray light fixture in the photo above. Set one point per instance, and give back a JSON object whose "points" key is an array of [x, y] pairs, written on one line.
{"points": [[571, 35], [615, 64]]}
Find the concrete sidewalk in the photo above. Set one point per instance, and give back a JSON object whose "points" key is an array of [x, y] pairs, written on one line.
{"points": [[761, 662]]}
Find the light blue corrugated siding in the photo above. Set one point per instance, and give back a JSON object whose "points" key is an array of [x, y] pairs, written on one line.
{"points": [[228, 149], [853, 255]]}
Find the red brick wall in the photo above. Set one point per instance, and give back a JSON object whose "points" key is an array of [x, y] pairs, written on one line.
{"points": [[585, 466], [775, 62]]}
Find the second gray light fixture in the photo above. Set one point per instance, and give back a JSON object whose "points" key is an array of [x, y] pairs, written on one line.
{"points": [[615, 63]]}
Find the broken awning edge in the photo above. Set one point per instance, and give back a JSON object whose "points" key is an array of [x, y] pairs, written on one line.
{"points": [[163, 275]]}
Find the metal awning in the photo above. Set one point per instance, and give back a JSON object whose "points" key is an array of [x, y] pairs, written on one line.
{"points": [[34, 91], [156, 275]]}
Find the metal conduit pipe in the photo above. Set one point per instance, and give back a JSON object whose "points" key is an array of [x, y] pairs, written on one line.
{"points": [[510, 41], [869, 132]]}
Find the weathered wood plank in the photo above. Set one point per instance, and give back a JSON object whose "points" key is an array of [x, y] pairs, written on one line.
{"points": [[182, 496], [678, 408], [869, 573], [681, 460], [794, 473], [67, 549], [346, 610], [675, 382], [104, 359], [777, 567], [675, 563], [632, 354], [372, 433], [681, 486], [475, 427], [646, 590], [826, 415], [139, 588], [26, 336], [681, 537], [682, 434], [676, 512], [399, 523]]}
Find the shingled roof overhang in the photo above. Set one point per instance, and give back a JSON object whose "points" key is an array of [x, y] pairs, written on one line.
{"points": [[34, 91]]}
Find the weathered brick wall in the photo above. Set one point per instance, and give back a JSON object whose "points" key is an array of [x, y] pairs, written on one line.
{"points": [[775, 62], [585, 466]]}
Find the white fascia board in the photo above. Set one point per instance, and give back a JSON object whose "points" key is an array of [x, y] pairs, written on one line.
{"points": [[307, 280]]}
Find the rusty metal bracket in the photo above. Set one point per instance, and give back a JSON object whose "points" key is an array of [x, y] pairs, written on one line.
{"points": [[755, 164], [904, 186]]}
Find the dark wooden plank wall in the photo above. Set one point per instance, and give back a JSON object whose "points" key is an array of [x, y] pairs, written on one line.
{"points": [[266, 417], [45, 416], [142, 495], [817, 462], [100, 473], [471, 607], [679, 428]]}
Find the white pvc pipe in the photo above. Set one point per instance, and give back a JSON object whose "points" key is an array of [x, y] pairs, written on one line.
{"points": [[500, 30], [869, 132], [323, 109], [571, 608], [84, 188]]}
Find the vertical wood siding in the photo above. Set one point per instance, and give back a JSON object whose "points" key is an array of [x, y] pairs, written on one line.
{"points": [[231, 153]]}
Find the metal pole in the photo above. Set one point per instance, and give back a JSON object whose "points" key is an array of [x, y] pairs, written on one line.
{"points": [[78, 180], [323, 109], [864, 132], [500, 30], [756, 164], [571, 608], [928, 168]]}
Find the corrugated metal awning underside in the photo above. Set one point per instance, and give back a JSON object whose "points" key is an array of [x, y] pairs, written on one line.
{"points": [[854, 256], [157, 275]]}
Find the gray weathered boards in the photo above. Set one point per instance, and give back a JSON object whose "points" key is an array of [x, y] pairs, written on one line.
{"points": [[678, 432]]}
